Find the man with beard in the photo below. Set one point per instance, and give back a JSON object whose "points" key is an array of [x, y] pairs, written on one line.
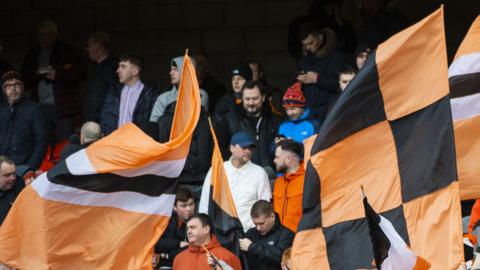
{"points": [[288, 188], [265, 243], [318, 68], [23, 130], [255, 118]]}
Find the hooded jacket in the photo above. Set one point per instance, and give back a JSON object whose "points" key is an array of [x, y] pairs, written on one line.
{"points": [[265, 252], [171, 95], [195, 257], [287, 197], [327, 62], [300, 129]]}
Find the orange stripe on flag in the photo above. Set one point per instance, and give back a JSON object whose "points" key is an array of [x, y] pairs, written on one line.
{"points": [[410, 61], [470, 43], [220, 188], [48, 238]]}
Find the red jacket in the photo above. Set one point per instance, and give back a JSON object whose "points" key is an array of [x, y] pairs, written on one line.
{"points": [[287, 198], [195, 257]]}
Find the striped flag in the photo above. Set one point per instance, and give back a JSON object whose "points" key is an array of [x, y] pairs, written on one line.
{"points": [[221, 207], [464, 78], [105, 206], [390, 131], [389, 249]]}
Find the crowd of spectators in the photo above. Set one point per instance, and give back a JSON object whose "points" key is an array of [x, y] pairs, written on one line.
{"points": [[260, 127]]}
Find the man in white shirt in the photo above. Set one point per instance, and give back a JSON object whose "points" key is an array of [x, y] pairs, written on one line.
{"points": [[248, 182]]}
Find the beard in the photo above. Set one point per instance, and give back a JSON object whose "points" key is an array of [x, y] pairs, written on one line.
{"points": [[282, 169]]}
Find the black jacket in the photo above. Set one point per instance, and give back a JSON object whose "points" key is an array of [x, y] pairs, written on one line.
{"points": [[170, 241], [8, 197], [262, 129], [327, 63], [227, 103], [102, 78], [265, 252], [23, 133], [199, 155], [141, 114], [70, 72]]}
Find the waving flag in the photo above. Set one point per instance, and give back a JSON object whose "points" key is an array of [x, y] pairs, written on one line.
{"points": [[389, 249], [221, 207], [391, 131], [105, 206], [464, 77]]}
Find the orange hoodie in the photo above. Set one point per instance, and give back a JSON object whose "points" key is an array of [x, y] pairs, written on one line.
{"points": [[195, 257], [287, 198]]}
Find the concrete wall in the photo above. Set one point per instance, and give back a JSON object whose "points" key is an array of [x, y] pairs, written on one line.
{"points": [[228, 31]]}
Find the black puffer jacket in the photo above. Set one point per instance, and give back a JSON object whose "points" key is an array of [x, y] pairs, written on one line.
{"points": [[141, 114], [263, 129], [23, 133], [265, 252], [102, 78], [199, 155]]}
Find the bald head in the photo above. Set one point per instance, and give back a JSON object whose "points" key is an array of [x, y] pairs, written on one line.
{"points": [[90, 132]]}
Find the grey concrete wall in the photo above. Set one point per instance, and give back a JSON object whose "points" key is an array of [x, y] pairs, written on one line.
{"points": [[228, 31]]}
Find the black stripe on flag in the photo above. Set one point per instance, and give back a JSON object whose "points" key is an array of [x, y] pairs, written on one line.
{"points": [[150, 185], [425, 150], [311, 207], [349, 245], [380, 241], [358, 107], [464, 85]]}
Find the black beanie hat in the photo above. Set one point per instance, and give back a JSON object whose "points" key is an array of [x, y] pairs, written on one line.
{"points": [[244, 71]]}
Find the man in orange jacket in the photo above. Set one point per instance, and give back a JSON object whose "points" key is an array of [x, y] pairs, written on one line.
{"points": [[204, 251], [288, 188]]}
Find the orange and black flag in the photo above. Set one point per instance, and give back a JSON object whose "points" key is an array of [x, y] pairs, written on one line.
{"points": [[221, 207], [105, 206], [390, 131], [464, 78]]}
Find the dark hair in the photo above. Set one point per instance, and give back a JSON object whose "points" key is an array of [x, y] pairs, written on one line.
{"points": [[204, 220], [307, 29], [5, 159], [101, 38], [290, 146], [261, 208], [253, 84], [132, 58], [347, 70], [255, 61], [183, 195]]}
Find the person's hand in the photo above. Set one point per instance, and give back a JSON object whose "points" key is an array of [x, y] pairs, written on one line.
{"points": [[155, 259], [51, 75], [183, 244], [245, 244], [308, 78], [212, 260]]}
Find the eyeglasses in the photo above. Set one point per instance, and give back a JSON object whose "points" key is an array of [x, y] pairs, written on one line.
{"points": [[11, 86]]}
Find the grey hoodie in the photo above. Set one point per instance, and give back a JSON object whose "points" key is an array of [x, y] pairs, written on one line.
{"points": [[171, 95]]}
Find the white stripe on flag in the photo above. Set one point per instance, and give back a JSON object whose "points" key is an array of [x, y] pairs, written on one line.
{"points": [[400, 257], [79, 164], [466, 64], [465, 107], [126, 200]]}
